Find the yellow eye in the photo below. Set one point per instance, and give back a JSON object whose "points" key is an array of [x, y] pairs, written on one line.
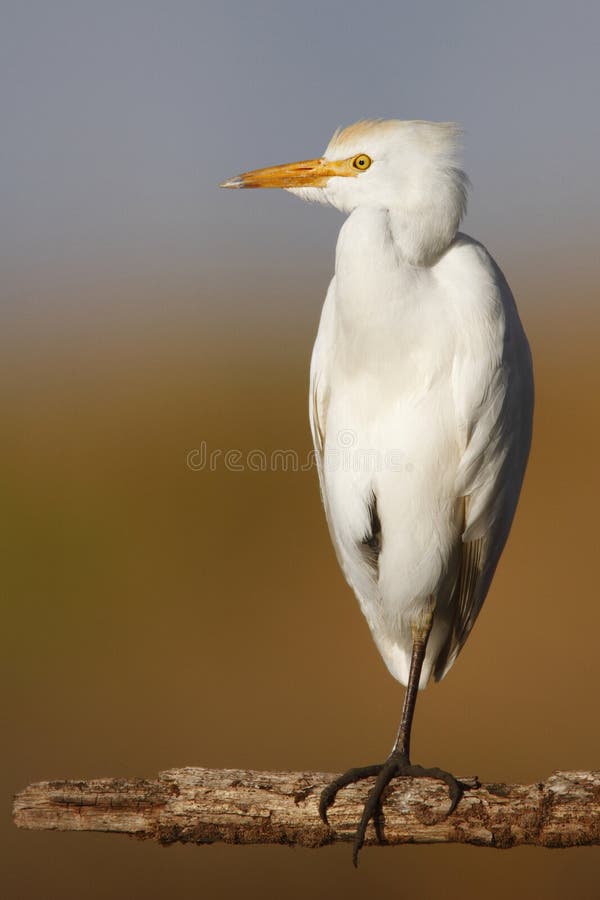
{"points": [[361, 162]]}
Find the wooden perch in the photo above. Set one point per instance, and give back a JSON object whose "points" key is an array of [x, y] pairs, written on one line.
{"points": [[243, 807]]}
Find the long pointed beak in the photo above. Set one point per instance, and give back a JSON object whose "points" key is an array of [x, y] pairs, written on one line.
{"points": [[308, 173]]}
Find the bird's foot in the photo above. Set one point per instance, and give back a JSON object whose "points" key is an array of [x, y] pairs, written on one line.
{"points": [[397, 764]]}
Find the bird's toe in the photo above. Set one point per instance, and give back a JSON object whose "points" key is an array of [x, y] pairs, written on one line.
{"points": [[352, 776]]}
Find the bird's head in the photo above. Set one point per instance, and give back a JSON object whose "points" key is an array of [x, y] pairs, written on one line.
{"points": [[409, 168]]}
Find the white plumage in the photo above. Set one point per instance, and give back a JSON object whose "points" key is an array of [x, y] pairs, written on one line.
{"points": [[421, 403], [421, 391], [420, 357]]}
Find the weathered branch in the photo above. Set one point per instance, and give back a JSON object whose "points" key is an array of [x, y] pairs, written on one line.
{"points": [[237, 806]]}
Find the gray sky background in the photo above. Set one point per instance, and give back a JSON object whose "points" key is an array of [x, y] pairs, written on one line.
{"points": [[120, 118]]}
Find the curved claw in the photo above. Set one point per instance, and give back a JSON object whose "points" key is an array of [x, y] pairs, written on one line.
{"points": [[372, 808], [329, 793], [455, 787]]}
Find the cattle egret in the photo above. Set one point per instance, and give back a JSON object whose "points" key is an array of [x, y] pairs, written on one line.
{"points": [[421, 404]]}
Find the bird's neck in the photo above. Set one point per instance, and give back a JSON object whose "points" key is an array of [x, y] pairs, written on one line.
{"points": [[389, 312], [375, 269], [421, 235]]}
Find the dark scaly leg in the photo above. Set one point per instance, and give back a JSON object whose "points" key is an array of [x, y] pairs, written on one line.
{"points": [[398, 762]]}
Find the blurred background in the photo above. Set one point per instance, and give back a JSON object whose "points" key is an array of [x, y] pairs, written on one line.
{"points": [[159, 616]]}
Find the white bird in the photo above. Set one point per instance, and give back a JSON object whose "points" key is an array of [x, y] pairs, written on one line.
{"points": [[421, 404]]}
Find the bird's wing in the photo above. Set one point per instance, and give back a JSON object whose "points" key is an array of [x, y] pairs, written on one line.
{"points": [[319, 389], [357, 568], [494, 400]]}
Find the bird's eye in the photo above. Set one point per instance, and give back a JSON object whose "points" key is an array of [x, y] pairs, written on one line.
{"points": [[361, 162]]}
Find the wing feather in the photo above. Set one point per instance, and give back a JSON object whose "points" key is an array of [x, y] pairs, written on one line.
{"points": [[496, 412], [319, 388]]}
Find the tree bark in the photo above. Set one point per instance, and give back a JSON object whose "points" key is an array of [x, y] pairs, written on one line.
{"points": [[244, 807]]}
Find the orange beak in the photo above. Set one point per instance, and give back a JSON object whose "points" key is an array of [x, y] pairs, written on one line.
{"points": [[308, 173]]}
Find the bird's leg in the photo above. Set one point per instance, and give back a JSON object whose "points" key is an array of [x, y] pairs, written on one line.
{"points": [[420, 633], [398, 762]]}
